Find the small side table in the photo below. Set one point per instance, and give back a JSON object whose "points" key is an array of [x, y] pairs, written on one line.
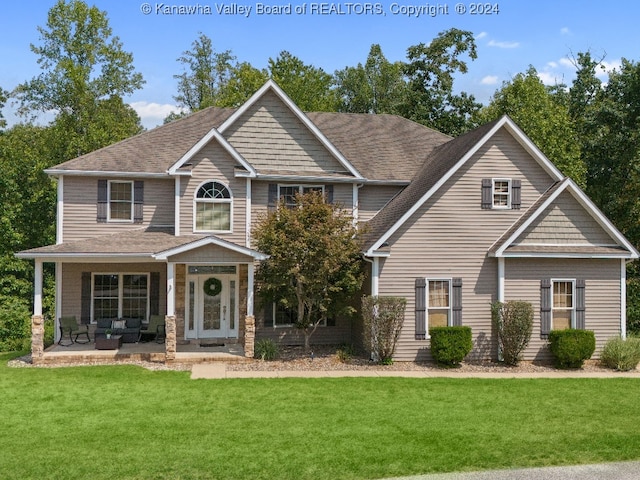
{"points": [[104, 343]]}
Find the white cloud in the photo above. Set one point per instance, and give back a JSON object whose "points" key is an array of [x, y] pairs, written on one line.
{"points": [[481, 35], [566, 62], [552, 65], [152, 114], [608, 67], [549, 78], [565, 31], [493, 43], [489, 80]]}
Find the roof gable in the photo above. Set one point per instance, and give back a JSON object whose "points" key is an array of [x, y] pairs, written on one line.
{"points": [[570, 237], [444, 162]]}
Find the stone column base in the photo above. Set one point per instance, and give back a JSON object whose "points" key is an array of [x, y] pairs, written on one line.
{"points": [[37, 339], [170, 338], [249, 336]]}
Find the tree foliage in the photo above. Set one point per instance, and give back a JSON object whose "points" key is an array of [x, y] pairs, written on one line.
{"points": [[85, 74], [542, 117], [383, 318], [314, 264]]}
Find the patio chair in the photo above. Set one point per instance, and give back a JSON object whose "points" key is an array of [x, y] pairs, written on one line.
{"points": [[70, 327], [155, 327]]}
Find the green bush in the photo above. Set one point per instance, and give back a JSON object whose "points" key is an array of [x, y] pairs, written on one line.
{"points": [[571, 347], [449, 345], [621, 354], [15, 325], [513, 323], [383, 318], [266, 349]]}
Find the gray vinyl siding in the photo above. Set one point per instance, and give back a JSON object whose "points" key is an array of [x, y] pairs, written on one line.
{"points": [[72, 277], [210, 254], [372, 198], [602, 295], [80, 208], [565, 222], [214, 163], [335, 335], [270, 137], [449, 237]]}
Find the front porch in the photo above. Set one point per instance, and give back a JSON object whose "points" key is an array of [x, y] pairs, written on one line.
{"points": [[144, 352]]}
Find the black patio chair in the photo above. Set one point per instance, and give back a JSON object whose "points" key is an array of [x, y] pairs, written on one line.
{"points": [[69, 326]]}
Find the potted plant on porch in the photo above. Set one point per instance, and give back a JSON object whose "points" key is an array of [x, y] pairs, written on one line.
{"points": [[108, 333]]}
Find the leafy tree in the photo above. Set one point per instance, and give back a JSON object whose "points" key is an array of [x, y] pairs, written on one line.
{"points": [[3, 99], [85, 74], [309, 87], [314, 264], [244, 81], [545, 120], [377, 86], [430, 70]]}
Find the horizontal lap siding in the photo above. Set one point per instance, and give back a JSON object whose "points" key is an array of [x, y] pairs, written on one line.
{"points": [[372, 198], [565, 222], [80, 208], [72, 278], [270, 137], [449, 236], [214, 163], [340, 333], [602, 294]]}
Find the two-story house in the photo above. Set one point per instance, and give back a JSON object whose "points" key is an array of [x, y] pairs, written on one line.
{"points": [[453, 224]]}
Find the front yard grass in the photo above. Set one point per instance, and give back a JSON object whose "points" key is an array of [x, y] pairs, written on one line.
{"points": [[114, 422]]}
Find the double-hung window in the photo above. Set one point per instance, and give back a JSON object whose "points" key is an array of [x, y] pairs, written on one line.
{"points": [[120, 295], [501, 192], [563, 304], [439, 303], [288, 192], [120, 201], [213, 207]]}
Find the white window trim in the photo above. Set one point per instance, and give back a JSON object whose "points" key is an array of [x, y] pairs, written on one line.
{"points": [[120, 290], [573, 299], [449, 308], [508, 194], [197, 200], [119, 220], [300, 186]]}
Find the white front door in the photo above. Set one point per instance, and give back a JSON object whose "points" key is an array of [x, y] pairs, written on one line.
{"points": [[212, 311]]}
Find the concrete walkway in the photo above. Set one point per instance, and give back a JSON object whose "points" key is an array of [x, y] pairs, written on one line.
{"points": [[218, 370]]}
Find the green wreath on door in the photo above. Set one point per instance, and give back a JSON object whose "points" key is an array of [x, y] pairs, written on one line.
{"points": [[212, 286]]}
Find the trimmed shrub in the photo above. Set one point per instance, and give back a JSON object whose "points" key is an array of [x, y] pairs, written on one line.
{"points": [[571, 347], [383, 318], [621, 354], [345, 353], [513, 323], [266, 349], [449, 345]]}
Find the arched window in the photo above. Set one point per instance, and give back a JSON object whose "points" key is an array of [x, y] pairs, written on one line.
{"points": [[213, 208]]}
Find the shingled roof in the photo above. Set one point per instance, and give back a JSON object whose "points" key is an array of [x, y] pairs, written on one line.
{"points": [[383, 148], [441, 161]]}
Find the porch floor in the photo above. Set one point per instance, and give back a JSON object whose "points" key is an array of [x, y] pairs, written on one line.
{"points": [[150, 352]]}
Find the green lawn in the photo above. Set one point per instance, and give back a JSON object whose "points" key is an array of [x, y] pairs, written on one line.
{"points": [[127, 422]]}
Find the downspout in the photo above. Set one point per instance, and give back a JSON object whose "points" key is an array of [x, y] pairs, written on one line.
{"points": [[623, 298]]}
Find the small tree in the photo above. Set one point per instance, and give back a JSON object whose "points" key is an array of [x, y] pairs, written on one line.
{"points": [[513, 322], [314, 264], [383, 318]]}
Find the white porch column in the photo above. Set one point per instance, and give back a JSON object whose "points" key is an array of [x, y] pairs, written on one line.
{"points": [[247, 215], [501, 279], [171, 289], [623, 298], [60, 210], [250, 286], [37, 287]]}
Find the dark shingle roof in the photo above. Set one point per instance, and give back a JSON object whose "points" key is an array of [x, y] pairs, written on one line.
{"points": [[433, 169]]}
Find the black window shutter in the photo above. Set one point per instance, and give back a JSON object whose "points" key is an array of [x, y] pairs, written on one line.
{"points": [[516, 189], [487, 187], [545, 307], [138, 201], [154, 293], [456, 302], [272, 199], [85, 298], [268, 315], [580, 302], [421, 309], [102, 201], [328, 192]]}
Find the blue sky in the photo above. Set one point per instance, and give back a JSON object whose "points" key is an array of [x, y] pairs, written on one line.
{"points": [[541, 33]]}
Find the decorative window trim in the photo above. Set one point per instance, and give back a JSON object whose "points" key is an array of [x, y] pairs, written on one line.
{"points": [[448, 308], [110, 201], [197, 200], [121, 276], [499, 194], [572, 309]]}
